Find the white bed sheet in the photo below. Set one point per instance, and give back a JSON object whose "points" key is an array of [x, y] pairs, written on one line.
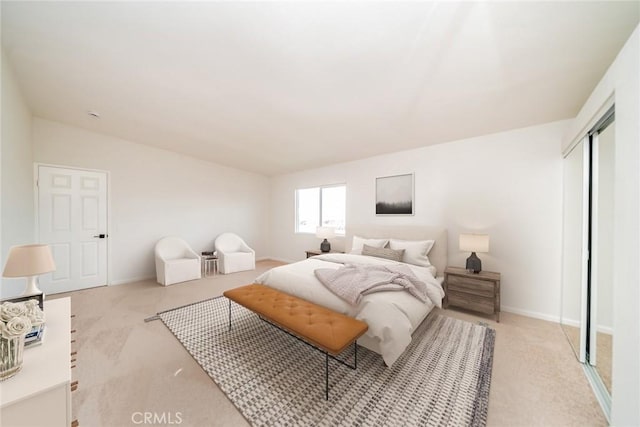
{"points": [[392, 316]]}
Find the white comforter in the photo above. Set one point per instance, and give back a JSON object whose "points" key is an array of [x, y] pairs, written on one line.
{"points": [[392, 316]]}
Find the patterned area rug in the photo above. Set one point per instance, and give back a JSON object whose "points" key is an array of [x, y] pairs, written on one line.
{"points": [[274, 379]]}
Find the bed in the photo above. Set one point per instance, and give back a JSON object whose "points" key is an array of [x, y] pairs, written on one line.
{"points": [[392, 316]]}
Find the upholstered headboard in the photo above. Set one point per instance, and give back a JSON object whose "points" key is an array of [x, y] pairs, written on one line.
{"points": [[437, 255]]}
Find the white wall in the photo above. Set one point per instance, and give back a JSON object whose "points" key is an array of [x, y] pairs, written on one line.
{"points": [[622, 81], [155, 193], [507, 184], [16, 175]]}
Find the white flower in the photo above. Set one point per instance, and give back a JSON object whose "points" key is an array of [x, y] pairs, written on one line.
{"points": [[34, 313], [9, 310], [36, 317], [31, 304], [16, 327]]}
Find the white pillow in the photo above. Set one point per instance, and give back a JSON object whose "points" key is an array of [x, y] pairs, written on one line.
{"points": [[359, 242], [415, 251]]}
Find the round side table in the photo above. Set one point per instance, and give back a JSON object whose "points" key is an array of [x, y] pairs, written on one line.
{"points": [[209, 265]]}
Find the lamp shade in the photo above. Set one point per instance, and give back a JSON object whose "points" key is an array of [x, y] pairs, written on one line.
{"points": [[325, 232], [29, 260], [474, 242]]}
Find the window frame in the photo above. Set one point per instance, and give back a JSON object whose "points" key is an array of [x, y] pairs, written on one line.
{"points": [[320, 188]]}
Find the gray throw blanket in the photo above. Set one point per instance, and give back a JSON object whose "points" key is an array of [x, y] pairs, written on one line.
{"points": [[352, 282]]}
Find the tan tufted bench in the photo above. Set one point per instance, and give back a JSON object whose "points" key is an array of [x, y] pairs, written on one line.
{"points": [[325, 329]]}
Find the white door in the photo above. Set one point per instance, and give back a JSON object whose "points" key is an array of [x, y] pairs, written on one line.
{"points": [[72, 219]]}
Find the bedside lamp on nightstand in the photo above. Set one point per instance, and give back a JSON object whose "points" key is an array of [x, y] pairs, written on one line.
{"points": [[29, 261], [325, 233], [474, 243]]}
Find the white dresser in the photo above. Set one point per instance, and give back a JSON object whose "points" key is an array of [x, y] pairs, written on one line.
{"points": [[40, 394]]}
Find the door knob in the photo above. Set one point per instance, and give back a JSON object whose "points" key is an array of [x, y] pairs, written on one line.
{"points": [[101, 236]]}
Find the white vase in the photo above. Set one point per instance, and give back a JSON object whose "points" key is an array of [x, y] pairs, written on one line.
{"points": [[11, 350]]}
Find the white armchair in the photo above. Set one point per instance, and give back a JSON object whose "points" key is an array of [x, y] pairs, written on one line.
{"points": [[175, 261], [234, 254]]}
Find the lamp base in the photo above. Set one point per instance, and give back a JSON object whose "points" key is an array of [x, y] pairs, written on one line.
{"points": [[32, 290], [32, 286], [325, 246], [474, 265]]}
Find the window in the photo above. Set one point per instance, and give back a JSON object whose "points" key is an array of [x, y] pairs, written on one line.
{"points": [[321, 206]]}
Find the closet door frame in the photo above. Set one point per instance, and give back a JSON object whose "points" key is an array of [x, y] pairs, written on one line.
{"points": [[592, 295], [585, 258], [593, 259]]}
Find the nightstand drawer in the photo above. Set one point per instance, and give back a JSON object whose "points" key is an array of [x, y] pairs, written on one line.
{"points": [[472, 286], [478, 292], [471, 302]]}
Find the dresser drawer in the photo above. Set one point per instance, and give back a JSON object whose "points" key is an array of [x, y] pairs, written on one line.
{"points": [[472, 286], [471, 301]]}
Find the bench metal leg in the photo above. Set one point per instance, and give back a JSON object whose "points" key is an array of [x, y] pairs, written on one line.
{"points": [[326, 355], [326, 377], [326, 367], [355, 355]]}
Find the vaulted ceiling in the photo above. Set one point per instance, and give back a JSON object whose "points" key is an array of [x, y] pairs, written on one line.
{"points": [[276, 87]]}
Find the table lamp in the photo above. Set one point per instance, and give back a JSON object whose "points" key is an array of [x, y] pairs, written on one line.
{"points": [[474, 243], [29, 261], [325, 233]]}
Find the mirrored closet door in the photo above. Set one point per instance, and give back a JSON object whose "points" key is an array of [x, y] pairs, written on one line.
{"points": [[602, 221], [587, 268], [574, 262]]}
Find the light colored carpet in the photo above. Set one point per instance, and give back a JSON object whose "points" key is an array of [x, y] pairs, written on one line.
{"points": [[274, 379], [126, 366]]}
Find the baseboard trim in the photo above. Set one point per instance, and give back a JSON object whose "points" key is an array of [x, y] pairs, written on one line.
{"points": [[556, 319], [270, 258], [140, 279], [134, 279], [570, 322], [533, 314], [607, 330]]}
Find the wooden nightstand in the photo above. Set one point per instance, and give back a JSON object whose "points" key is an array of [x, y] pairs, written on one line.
{"points": [[477, 292], [314, 252]]}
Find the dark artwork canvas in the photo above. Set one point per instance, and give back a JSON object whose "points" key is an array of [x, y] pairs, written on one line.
{"points": [[394, 195]]}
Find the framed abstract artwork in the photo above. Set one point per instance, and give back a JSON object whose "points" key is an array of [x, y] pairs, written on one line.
{"points": [[394, 195]]}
